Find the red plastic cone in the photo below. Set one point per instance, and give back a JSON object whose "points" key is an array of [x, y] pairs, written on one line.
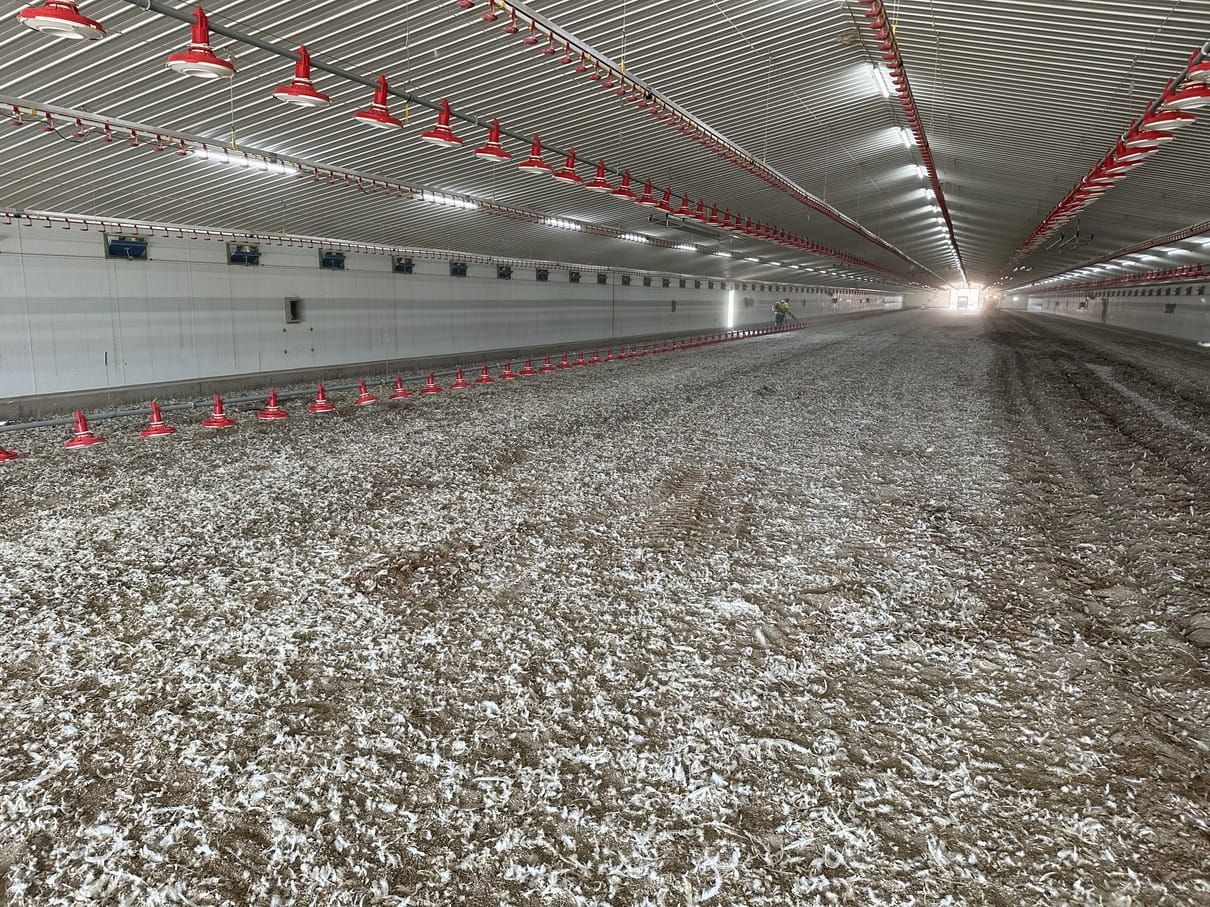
{"points": [[83, 436], [273, 411], [322, 404], [528, 369], [6, 455], [400, 392], [218, 417], [580, 361], [431, 386], [460, 381], [547, 368], [609, 357], [564, 363], [485, 376], [508, 374], [596, 358], [364, 397], [634, 353], [158, 428]]}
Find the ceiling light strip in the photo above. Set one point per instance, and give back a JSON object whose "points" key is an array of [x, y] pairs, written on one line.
{"points": [[611, 75], [137, 134], [876, 19], [1171, 275], [1143, 138], [1199, 229], [378, 115], [86, 223]]}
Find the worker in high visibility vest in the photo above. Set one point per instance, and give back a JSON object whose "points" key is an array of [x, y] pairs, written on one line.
{"points": [[781, 309]]}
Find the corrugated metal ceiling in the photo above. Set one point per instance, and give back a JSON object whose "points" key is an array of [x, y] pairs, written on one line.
{"points": [[1019, 100]]}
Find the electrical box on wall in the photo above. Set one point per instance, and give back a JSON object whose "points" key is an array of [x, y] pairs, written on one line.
{"points": [[625, 280], [504, 272], [542, 275], [403, 264], [122, 245], [457, 269], [331, 260], [294, 310], [602, 278], [243, 253], [573, 276]]}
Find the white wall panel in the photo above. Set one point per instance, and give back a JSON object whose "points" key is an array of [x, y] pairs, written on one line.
{"points": [[1172, 311], [72, 320]]}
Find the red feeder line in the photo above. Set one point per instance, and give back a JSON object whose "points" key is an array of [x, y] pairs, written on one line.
{"points": [[1190, 272], [400, 392], [604, 73], [1142, 138], [1165, 240], [348, 179], [83, 436], [364, 397], [157, 427]]}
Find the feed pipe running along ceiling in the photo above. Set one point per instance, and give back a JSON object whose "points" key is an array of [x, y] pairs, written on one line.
{"points": [[776, 179], [706, 135]]}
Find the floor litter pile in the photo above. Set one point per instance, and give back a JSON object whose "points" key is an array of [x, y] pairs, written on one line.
{"points": [[907, 609]]}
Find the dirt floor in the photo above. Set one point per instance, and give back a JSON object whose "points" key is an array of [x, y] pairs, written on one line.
{"points": [[907, 609]]}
